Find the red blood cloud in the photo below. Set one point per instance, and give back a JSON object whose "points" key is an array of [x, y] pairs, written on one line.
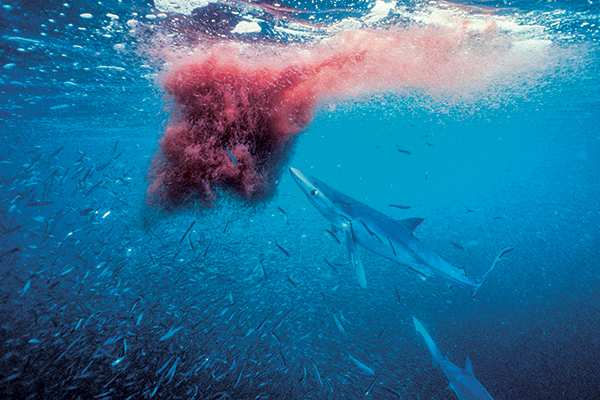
{"points": [[245, 103], [224, 105]]}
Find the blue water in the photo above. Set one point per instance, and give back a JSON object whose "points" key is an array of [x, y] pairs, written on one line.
{"points": [[103, 297]]}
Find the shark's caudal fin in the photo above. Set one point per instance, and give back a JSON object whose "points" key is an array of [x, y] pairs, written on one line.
{"points": [[433, 349], [482, 279]]}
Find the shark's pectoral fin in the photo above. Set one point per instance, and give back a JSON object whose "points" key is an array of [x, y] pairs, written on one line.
{"points": [[359, 270], [469, 366]]}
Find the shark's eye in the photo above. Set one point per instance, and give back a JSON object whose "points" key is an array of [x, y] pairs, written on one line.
{"points": [[314, 192]]}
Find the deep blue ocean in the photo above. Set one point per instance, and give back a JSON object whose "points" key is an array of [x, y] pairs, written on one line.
{"points": [[105, 296]]}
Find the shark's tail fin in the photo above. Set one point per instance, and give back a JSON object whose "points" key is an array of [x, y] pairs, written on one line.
{"points": [[433, 349], [482, 279]]}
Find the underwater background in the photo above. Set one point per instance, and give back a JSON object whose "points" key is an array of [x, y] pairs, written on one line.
{"points": [[109, 290]]}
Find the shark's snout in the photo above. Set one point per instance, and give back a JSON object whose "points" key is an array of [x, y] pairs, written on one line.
{"points": [[294, 172], [299, 177]]}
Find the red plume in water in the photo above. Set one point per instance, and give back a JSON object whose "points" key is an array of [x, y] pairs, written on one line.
{"points": [[237, 107], [234, 125]]}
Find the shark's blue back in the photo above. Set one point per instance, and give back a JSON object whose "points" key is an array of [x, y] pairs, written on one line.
{"points": [[379, 233]]}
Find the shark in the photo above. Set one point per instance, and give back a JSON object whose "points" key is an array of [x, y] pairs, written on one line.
{"points": [[382, 235], [462, 381]]}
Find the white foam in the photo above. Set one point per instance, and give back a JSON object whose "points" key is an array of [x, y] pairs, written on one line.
{"points": [[347, 24], [247, 27], [295, 29], [180, 6], [380, 10], [111, 67]]}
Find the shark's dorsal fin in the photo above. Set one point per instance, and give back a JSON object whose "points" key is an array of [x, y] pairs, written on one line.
{"points": [[469, 366], [411, 223]]}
